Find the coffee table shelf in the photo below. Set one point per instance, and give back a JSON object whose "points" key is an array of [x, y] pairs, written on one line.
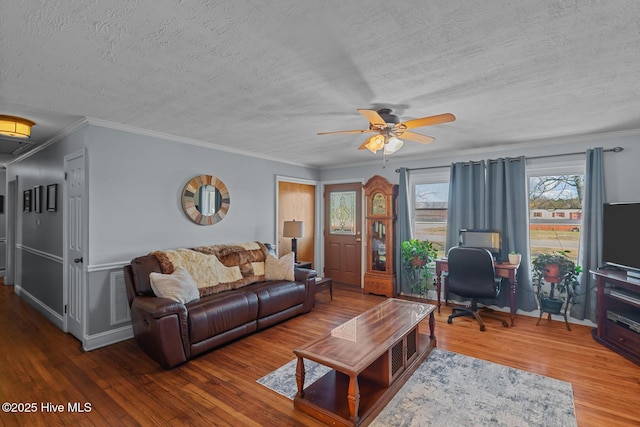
{"points": [[372, 356]]}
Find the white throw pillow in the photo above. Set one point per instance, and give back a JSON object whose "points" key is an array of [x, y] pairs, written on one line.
{"points": [[178, 286], [279, 269]]}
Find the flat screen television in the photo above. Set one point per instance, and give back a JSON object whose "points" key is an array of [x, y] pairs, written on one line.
{"points": [[487, 239], [621, 235]]}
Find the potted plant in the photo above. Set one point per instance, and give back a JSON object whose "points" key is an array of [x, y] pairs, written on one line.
{"points": [[555, 278], [514, 258], [417, 255]]}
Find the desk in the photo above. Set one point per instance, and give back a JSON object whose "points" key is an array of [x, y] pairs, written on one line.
{"points": [[504, 270]]}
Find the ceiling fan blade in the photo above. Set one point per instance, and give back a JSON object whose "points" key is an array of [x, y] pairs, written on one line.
{"points": [[347, 131], [416, 137], [428, 121], [373, 117]]}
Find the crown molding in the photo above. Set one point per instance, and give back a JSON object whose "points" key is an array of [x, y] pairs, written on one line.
{"points": [[64, 133], [183, 140], [432, 155]]}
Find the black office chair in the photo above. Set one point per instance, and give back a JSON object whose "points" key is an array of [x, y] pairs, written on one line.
{"points": [[472, 275]]}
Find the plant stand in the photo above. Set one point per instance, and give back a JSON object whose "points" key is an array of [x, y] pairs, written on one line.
{"points": [[553, 306]]}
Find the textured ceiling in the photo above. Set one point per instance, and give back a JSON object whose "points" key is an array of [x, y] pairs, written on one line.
{"points": [[265, 77]]}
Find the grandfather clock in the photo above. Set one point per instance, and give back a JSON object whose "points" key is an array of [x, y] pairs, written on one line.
{"points": [[380, 276]]}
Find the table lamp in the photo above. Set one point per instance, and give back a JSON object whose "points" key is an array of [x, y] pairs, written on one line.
{"points": [[293, 229]]}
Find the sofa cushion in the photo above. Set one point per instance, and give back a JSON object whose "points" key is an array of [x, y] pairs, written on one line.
{"points": [[178, 286], [276, 296], [219, 313], [279, 269], [142, 267]]}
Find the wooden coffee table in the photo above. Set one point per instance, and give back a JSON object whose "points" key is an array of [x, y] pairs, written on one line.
{"points": [[371, 357]]}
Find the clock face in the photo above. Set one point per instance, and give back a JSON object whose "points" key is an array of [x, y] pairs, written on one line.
{"points": [[378, 204]]}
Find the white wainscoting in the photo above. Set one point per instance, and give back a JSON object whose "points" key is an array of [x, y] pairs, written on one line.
{"points": [[120, 312]]}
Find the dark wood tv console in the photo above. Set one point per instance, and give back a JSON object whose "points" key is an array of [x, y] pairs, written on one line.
{"points": [[618, 313]]}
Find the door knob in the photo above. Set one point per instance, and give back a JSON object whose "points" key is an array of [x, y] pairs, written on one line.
{"points": [[358, 239], [77, 260]]}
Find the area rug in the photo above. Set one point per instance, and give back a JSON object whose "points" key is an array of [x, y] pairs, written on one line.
{"points": [[451, 389]]}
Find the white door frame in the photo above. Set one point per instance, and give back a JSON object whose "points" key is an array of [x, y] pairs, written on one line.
{"points": [[317, 245], [12, 215]]}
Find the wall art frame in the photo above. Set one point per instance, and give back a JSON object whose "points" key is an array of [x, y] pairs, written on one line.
{"points": [[52, 197], [26, 201], [37, 199]]}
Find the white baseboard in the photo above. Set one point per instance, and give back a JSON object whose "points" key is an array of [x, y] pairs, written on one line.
{"points": [[433, 297], [89, 342], [44, 309], [102, 339]]}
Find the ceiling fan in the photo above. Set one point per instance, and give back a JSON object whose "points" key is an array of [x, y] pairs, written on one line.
{"points": [[389, 130]]}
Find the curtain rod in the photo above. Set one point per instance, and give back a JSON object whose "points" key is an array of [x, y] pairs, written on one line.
{"points": [[608, 150]]}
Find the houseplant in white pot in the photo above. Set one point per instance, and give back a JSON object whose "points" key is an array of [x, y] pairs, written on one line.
{"points": [[514, 258]]}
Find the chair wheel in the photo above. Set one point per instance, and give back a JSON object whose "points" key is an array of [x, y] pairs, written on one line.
{"points": [[482, 328], [449, 320], [505, 324]]}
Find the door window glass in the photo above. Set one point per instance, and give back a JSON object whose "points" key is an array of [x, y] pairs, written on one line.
{"points": [[342, 210]]}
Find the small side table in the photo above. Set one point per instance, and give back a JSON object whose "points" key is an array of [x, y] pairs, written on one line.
{"points": [[324, 283], [303, 264]]}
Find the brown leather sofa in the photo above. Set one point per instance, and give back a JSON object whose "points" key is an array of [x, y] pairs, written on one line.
{"points": [[172, 333]]}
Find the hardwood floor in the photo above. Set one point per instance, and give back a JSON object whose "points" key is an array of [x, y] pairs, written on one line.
{"points": [[41, 364]]}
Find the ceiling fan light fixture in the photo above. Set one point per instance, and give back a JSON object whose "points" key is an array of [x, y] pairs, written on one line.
{"points": [[393, 145], [16, 127], [375, 143]]}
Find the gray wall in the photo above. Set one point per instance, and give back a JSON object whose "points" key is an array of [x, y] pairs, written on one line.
{"points": [[134, 184], [38, 236]]}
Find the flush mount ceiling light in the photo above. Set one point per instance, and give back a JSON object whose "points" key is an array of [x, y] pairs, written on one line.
{"points": [[16, 127]]}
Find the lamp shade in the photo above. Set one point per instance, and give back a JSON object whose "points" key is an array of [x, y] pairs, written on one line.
{"points": [[16, 127], [393, 145], [375, 143], [293, 229]]}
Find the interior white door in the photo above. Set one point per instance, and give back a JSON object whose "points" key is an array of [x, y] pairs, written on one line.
{"points": [[74, 212]]}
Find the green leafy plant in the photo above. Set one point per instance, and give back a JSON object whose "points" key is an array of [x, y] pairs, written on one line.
{"points": [[559, 272], [417, 255]]}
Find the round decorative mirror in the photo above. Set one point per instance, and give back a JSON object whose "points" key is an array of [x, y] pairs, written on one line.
{"points": [[205, 199]]}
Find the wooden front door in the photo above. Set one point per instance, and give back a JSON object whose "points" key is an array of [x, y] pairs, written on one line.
{"points": [[343, 232]]}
